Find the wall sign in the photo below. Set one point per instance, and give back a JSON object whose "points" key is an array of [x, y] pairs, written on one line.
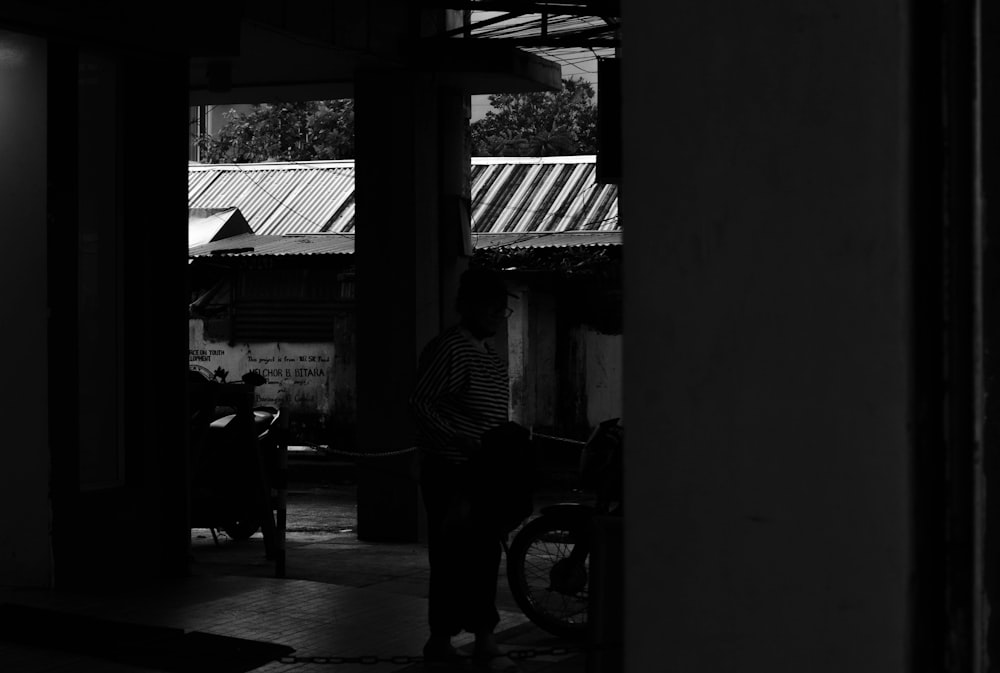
{"points": [[298, 374]]}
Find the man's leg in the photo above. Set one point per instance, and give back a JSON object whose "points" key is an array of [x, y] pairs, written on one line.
{"points": [[481, 612], [444, 556]]}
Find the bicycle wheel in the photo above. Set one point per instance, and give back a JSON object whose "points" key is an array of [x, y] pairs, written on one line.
{"points": [[549, 582]]}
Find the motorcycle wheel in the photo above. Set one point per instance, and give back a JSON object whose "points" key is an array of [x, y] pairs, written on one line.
{"points": [[242, 529], [550, 587]]}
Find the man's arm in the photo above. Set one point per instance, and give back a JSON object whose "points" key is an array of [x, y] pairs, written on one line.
{"points": [[436, 380]]}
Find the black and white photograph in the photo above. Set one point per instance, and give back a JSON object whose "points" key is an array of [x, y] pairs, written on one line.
{"points": [[368, 414]]}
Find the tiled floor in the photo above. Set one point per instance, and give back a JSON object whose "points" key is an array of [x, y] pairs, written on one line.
{"points": [[313, 618], [341, 598], [316, 619]]}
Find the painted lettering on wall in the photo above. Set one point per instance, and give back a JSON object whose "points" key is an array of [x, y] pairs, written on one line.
{"points": [[278, 369], [298, 375], [203, 354]]}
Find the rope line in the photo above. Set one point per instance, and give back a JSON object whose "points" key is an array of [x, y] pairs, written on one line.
{"points": [[410, 449]]}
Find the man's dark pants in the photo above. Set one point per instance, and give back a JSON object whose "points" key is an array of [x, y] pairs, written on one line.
{"points": [[463, 552]]}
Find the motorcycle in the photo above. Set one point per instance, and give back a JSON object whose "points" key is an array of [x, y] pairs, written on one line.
{"points": [[548, 560], [234, 445]]}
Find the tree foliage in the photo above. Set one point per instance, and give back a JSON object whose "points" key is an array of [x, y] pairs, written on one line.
{"points": [[527, 124], [539, 124], [309, 131]]}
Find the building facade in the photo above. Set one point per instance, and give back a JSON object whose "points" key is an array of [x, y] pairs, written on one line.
{"points": [[288, 292]]}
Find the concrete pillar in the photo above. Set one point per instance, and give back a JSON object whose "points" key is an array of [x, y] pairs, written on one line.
{"points": [[25, 549], [767, 353], [410, 158]]}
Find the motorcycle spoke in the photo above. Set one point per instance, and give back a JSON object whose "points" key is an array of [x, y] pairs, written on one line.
{"points": [[539, 561]]}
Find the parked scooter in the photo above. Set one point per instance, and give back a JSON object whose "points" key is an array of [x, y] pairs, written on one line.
{"points": [[233, 452], [548, 561]]}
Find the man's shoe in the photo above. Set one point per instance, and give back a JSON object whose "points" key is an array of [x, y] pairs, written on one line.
{"points": [[497, 663], [486, 648], [435, 653]]}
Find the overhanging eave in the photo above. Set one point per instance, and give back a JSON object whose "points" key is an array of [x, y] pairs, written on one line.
{"points": [[486, 66], [269, 65]]}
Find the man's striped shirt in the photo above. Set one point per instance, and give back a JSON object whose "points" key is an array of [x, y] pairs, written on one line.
{"points": [[461, 391]]}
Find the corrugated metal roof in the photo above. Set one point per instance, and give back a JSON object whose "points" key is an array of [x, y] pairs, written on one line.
{"points": [[509, 194], [210, 224], [559, 239], [273, 244], [541, 194], [280, 197], [252, 245]]}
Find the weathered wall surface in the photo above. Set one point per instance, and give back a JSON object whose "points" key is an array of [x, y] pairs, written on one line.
{"points": [[564, 379], [604, 374], [300, 376]]}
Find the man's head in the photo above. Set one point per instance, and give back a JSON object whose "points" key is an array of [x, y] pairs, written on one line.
{"points": [[482, 301]]}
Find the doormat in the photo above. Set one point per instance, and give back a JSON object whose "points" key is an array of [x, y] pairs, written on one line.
{"points": [[157, 647]]}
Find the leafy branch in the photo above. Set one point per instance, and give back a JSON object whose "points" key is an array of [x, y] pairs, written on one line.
{"points": [[539, 124]]}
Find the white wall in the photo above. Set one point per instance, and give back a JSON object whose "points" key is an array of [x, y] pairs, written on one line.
{"points": [[299, 375], [25, 546], [594, 379], [604, 375], [766, 336]]}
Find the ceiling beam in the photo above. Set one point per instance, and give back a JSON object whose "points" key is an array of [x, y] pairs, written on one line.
{"points": [[562, 42], [581, 37], [601, 8]]}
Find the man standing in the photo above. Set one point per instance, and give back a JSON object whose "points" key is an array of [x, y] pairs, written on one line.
{"points": [[462, 392]]}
